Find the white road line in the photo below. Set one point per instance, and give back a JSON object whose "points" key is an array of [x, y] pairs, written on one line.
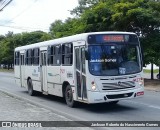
{"points": [[145, 104], [156, 107]]}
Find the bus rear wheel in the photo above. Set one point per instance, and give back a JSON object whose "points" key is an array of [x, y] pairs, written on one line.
{"points": [[31, 92], [69, 96]]}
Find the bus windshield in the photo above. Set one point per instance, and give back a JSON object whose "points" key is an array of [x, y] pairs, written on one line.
{"points": [[114, 59]]}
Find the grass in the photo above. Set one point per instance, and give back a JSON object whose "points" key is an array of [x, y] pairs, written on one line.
{"points": [[149, 71], [6, 70]]}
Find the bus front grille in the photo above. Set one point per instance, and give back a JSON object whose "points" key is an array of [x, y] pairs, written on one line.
{"points": [[119, 96], [119, 85]]}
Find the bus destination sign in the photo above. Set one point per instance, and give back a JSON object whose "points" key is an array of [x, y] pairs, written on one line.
{"points": [[113, 38]]}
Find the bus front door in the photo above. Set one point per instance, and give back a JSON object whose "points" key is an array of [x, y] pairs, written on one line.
{"points": [[22, 70], [43, 71], [80, 73]]}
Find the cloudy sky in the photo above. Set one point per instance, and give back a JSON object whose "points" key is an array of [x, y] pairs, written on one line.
{"points": [[29, 15]]}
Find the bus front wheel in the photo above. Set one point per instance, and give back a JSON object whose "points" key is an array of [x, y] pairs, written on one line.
{"points": [[31, 92], [69, 96]]}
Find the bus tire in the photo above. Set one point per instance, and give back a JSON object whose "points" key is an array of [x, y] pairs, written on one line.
{"points": [[31, 92], [69, 96]]}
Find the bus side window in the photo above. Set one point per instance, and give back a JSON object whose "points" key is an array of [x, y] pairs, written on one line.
{"points": [[57, 55], [49, 53], [35, 56], [67, 54], [26, 58], [29, 57], [17, 58]]}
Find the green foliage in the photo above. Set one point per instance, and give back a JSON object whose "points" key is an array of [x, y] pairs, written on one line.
{"points": [[10, 41], [97, 18], [83, 5], [69, 27], [1, 37], [151, 48], [34, 37], [149, 71], [139, 16]]}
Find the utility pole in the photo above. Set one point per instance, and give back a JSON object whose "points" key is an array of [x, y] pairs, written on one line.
{"points": [[152, 76]]}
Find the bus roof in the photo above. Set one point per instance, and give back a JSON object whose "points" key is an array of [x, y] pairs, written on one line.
{"points": [[73, 38]]}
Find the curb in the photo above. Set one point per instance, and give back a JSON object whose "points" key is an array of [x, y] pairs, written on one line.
{"points": [[152, 89]]}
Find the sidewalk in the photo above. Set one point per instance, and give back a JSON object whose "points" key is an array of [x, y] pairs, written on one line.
{"points": [[153, 85], [12, 109]]}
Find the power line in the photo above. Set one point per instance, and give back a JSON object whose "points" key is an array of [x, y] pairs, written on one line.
{"points": [[21, 12], [5, 4], [18, 27], [3, 1], [24, 28]]}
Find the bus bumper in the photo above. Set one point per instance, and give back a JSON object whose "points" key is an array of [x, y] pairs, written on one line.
{"points": [[101, 97]]}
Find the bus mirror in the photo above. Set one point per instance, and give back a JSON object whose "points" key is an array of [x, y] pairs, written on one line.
{"points": [[86, 54]]}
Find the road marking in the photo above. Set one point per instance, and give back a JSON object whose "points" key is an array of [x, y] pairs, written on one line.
{"points": [[156, 107], [145, 104]]}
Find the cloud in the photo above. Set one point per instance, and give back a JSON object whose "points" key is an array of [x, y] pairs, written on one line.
{"points": [[37, 14]]}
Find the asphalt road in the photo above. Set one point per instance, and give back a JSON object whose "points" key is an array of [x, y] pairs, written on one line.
{"points": [[140, 109]]}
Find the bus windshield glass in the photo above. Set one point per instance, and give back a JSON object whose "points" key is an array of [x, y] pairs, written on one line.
{"points": [[114, 59]]}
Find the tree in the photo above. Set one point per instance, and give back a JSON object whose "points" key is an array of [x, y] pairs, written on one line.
{"points": [[6, 50], [71, 26], [11, 41], [83, 5], [143, 18], [97, 18], [34, 37], [139, 16], [1, 37], [151, 48], [55, 28]]}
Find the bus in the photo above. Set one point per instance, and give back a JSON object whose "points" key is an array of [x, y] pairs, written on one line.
{"points": [[95, 67]]}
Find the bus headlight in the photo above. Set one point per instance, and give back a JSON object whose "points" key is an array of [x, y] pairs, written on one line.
{"points": [[140, 81], [93, 85]]}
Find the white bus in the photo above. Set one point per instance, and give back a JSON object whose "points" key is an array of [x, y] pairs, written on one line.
{"points": [[92, 68]]}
